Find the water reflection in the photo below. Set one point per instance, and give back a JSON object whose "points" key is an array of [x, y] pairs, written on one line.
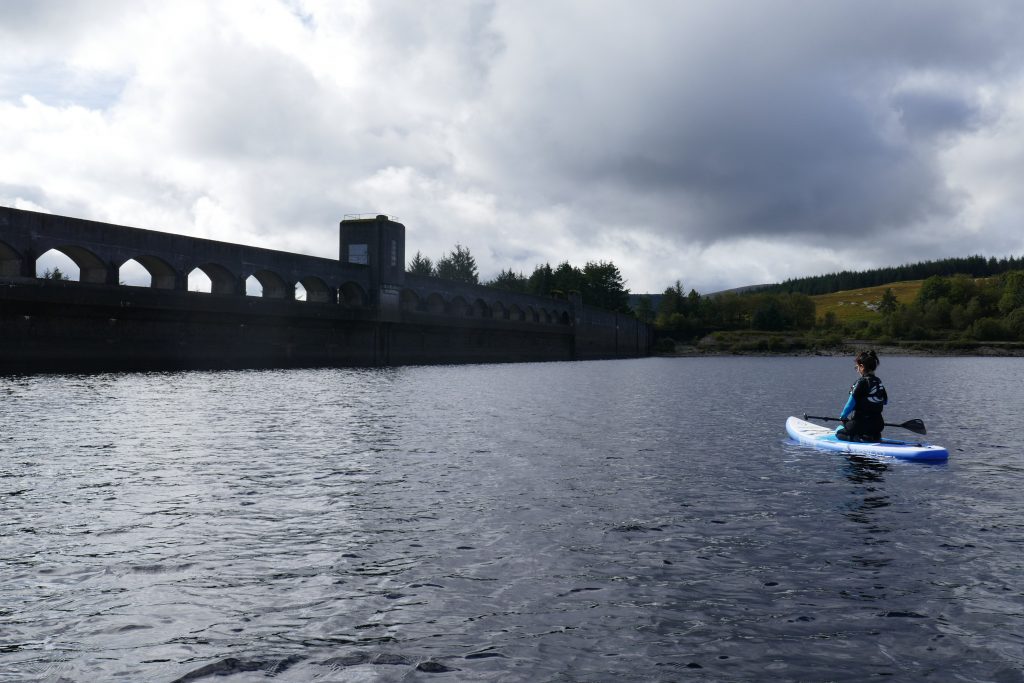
{"points": [[866, 470], [867, 510], [591, 521], [868, 476]]}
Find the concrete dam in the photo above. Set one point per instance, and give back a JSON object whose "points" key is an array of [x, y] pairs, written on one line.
{"points": [[362, 309]]}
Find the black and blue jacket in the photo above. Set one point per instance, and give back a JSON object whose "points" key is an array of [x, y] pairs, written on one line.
{"points": [[867, 397]]}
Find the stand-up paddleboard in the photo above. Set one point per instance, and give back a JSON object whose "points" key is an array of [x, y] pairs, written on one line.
{"points": [[811, 434]]}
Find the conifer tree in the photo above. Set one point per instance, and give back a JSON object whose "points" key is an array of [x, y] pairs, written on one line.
{"points": [[420, 265], [458, 265]]}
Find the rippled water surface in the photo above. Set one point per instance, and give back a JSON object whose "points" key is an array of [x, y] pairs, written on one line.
{"points": [[641, 520]]}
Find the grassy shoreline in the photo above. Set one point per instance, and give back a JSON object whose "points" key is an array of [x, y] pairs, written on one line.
{"points": [[846, 347]]}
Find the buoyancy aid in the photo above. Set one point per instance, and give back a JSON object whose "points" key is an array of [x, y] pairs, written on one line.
{"points": [[869, 396]]}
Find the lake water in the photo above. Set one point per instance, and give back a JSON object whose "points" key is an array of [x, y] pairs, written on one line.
{"points": [[640, 520]]}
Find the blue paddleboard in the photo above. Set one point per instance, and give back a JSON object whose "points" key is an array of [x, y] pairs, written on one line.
{"points": [[823, 438]]}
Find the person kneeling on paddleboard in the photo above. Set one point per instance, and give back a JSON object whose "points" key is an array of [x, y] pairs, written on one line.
{"points": [[867, 397]]}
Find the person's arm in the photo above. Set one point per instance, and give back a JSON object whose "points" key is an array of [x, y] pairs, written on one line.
{"points": [[848, 408], [859, 389]]}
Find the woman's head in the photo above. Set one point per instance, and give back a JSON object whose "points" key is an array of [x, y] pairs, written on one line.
{"points": [[868, 359]]}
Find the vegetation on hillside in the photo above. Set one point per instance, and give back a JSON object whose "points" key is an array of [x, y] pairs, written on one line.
{"points": [[973, 266], [850, 307], [959, 308], [954, 302], [952, 311], [688, 316]]}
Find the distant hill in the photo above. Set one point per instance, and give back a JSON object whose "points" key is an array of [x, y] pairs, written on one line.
{"points": [[656, 298], [853, 285], [740, 290], [975, 266], [862, 304]]}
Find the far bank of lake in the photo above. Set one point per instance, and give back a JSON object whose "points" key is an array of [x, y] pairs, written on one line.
{"points": [[782, 345]]}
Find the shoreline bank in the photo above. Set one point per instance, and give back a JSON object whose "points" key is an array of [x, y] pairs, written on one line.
{"points": [[851, 348]]}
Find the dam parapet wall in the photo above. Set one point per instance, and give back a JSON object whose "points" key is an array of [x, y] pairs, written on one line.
{"points": [[362, 309]]}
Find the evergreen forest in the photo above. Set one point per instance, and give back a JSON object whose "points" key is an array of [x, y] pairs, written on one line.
{"points": [[974, 266], [946, 309], [956, 303], [599, 283]]}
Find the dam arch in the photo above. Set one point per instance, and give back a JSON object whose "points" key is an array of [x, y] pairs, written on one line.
{"points": [[316, 290], [369, 311], [352, 295], [272, 285], [162, 274], [57, 261]]}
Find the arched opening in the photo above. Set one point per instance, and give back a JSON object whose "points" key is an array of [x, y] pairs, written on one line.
{"points": [[133, 274], [253, 287], [199, 281], [56, 265], [500, 312], [435, 303], [564, 319], [271, 285], [459, 307], [300, 292], [408, 301], [315, 290], [10, 261], [516, 313], [218, 279], [161, 274], [532, 315], [91, 267], [351, 294], [481, 309]]}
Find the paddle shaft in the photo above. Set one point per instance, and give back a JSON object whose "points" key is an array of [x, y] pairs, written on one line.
{"points": [[915, 425]]}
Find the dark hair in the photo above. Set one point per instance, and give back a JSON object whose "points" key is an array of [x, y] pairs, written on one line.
{"points": [[869, 359]]}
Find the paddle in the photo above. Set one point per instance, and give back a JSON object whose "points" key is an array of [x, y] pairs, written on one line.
{"points": [[915, 425]]}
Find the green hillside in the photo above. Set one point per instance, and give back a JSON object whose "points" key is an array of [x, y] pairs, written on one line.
{"points": [[854, 305], [961, 313]]}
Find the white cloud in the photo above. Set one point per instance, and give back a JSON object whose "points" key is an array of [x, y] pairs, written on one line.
{"points": [[722, 144]]}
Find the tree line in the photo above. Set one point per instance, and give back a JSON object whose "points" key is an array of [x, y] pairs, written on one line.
{"points": [[687, 315], [599, 283], [955, 308], [974, 266], [969, 299]]}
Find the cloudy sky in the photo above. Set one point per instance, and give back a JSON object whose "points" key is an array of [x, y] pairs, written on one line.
{"points": [[720, 143]]}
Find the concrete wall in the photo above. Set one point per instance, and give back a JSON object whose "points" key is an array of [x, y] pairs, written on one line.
{"points": [[604, 334], [421, 293], [60, 326], [366, 313], [56, 326], [100, 249]]}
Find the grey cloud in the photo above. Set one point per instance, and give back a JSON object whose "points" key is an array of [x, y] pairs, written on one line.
{"points": [[10, 192], [793, 120], [682, 125], [50, 17], [928, 114], [39, 31], [247, 102]]}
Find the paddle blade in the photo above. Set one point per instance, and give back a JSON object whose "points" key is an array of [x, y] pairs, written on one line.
{"points": [[915, 425]]}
